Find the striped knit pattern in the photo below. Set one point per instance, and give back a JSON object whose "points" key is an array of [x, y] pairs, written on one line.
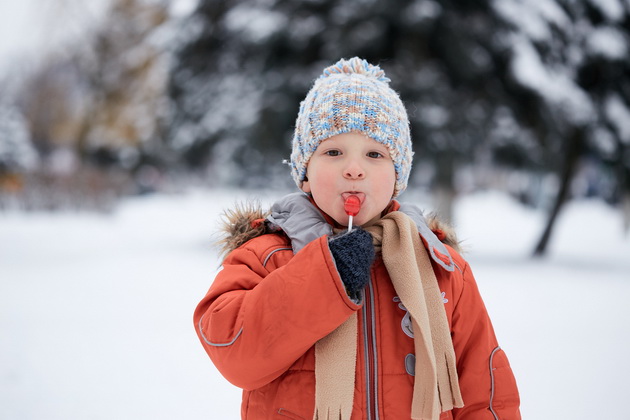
{"points": [[353, 96]]}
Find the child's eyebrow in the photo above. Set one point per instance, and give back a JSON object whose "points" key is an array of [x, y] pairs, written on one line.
{"points": [[328, 142], [379, 148], [329, 146]]}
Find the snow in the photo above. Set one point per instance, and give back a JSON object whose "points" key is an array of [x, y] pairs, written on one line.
{"points": [[421, 10], [608, 42], [533, 17], [554, 85], [96, 310], [256, 24], [611, 9], [182, 8], [302, 29], [619, 116], [434, 116], [604, 141]]}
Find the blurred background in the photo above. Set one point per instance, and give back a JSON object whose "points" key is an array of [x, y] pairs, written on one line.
{"points": [[114, 98], [130, 123]]}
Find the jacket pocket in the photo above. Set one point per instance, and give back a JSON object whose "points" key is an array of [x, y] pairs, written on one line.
{"points": [[289, 415]]}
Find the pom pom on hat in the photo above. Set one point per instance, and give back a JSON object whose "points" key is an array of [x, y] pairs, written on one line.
{"points": [[355, 66], [352, 96]]}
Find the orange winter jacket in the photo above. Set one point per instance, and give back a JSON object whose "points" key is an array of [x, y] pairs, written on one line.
{"points": [[269, 305]]}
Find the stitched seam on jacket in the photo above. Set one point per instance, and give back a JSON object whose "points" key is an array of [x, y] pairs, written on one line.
{"points": [[456, 299], [273, 252], [210, 343], [492, 382], [458, 267]]}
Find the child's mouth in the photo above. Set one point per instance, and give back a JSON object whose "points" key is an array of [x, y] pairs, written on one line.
{"points": [[359, 195]]}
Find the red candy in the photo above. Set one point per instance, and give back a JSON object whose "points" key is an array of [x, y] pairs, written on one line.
{"points": [[352, 205]]}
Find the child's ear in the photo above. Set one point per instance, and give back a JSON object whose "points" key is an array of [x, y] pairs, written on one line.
{"points": [[306, 187]]}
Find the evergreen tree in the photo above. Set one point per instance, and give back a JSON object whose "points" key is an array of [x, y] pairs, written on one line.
{"points": [[243, 67], [533, 85], [570, 62]]}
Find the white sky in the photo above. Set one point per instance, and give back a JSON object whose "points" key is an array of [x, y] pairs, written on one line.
{"points": [[34, 26], [15, 35]]}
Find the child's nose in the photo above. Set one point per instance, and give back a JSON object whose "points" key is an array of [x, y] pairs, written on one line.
{"points": [[354, 171]]}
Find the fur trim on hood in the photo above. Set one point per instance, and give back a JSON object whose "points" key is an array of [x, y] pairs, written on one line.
{"points": [[444, 231], [246, 221]]}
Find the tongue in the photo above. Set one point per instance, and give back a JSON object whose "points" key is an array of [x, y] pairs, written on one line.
{"points": [[352, 205]]}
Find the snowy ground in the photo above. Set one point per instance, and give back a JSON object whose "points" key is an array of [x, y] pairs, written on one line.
{"points": [[96, 310]]}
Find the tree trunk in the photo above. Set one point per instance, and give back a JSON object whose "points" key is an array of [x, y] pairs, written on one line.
{"points": [[625, 203], [574, 146], [444, 187]]}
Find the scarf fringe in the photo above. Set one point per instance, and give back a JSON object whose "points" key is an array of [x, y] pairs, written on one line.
{"points": [[447, 389], [452, 398], [330, 413]]}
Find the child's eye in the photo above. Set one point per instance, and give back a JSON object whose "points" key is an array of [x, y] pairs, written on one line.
{"points": [[332, 152], [375, 155]]}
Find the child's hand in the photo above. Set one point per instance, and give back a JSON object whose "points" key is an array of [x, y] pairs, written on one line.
{"points": [[353, 253]]}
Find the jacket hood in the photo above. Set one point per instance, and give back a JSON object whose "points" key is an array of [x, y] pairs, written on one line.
{"points": [[240, 224], [295, 216]]}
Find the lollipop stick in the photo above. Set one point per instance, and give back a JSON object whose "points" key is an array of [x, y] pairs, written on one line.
{"points": [[350, 223]]}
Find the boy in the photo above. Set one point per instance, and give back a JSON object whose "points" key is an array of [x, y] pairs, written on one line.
{"points": [[382, 322]]}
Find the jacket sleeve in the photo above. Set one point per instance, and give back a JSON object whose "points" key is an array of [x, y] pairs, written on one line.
{"points": [[486, 380], [254, 324]]}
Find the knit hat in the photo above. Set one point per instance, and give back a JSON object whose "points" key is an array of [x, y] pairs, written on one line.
{"points": [[352, 95]]}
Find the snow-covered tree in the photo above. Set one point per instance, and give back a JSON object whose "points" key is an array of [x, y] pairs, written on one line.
{"points": [[244, 66], [96, 103], [572, 58], [123, 69], [17, 153], [528, 84], [106, 94]]}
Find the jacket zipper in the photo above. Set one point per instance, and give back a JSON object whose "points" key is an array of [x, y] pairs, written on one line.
{"points": [[371, 355]]}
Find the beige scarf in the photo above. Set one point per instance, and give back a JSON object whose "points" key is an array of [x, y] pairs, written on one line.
{"points": [[436, 387]]}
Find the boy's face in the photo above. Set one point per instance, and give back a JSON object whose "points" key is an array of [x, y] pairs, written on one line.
{"points": [[351, 164]]}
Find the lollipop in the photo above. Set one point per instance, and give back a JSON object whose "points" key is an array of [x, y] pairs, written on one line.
{"points": [[352, 206]]}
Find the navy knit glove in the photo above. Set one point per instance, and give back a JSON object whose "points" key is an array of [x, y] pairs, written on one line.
{"points": [[353, 253]]}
